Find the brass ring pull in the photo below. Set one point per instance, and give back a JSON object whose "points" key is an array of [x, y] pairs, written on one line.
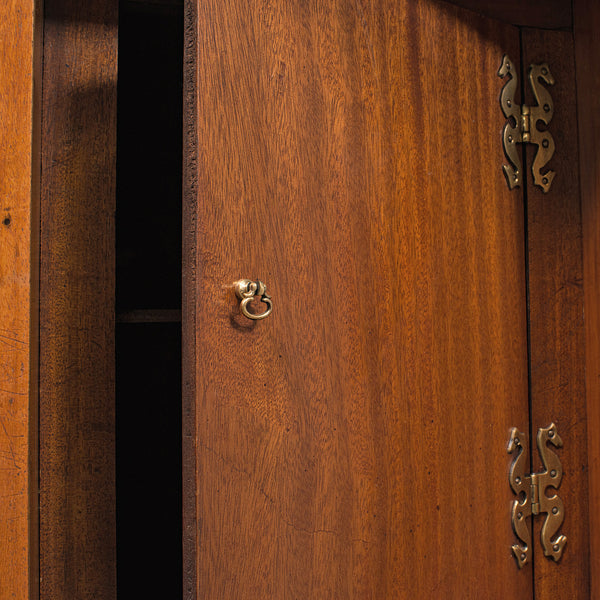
{"points": [[246, 290]]}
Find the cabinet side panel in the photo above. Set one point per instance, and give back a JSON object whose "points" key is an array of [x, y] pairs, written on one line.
{"points": [[77, 433], [17, 299], [587, 55]]}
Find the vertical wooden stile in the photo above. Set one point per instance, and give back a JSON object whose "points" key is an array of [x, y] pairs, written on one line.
{"points": [[19, 186], [587, 58]]}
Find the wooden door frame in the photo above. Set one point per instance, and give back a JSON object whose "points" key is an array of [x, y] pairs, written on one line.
{"points": [[20, 38], [587, 55]]}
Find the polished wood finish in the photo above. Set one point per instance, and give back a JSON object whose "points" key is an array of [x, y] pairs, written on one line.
{"points": [[77, 470], [556, 319], [350, 445], [587, 52], [19, 183], [545, 14]]}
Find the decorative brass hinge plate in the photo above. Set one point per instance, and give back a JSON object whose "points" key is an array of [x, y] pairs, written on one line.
{"points": [[533, 491], [522, 124]]}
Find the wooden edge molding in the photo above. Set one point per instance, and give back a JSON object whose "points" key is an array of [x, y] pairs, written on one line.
{"points": [[34, 331], [188, 313]]}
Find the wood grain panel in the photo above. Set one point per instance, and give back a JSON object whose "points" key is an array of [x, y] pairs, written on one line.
{"points": [[556, 319], [544, 14], [19, 184], [353, 444], [77, 470], [587, 52]]}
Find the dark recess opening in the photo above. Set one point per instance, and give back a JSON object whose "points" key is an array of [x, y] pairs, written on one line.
{"points": [[148, 330]]}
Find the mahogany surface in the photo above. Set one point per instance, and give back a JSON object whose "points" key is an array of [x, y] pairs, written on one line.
{"points": [[348, 154], [77, 423]]}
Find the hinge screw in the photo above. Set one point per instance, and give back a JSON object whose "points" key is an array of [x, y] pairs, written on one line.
{"points": [[553, 473], [556, 547], [554, 510]]}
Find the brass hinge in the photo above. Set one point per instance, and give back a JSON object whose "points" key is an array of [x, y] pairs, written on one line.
{"points": [[522, 124], [532, 490]]}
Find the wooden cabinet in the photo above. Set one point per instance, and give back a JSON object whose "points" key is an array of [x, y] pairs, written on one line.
{"points": [[353, 443]]}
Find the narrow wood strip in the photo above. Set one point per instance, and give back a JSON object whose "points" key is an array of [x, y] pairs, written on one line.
{"points": [[189, 375], [19, 169], [77, 435], [587, 54]]}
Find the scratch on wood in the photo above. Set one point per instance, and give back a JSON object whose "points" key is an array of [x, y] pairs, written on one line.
{"points": [[13, 393], [10, 445]]}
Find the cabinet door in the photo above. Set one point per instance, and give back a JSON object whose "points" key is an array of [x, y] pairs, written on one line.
{"points": [[353, 443], [556, 320]]}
